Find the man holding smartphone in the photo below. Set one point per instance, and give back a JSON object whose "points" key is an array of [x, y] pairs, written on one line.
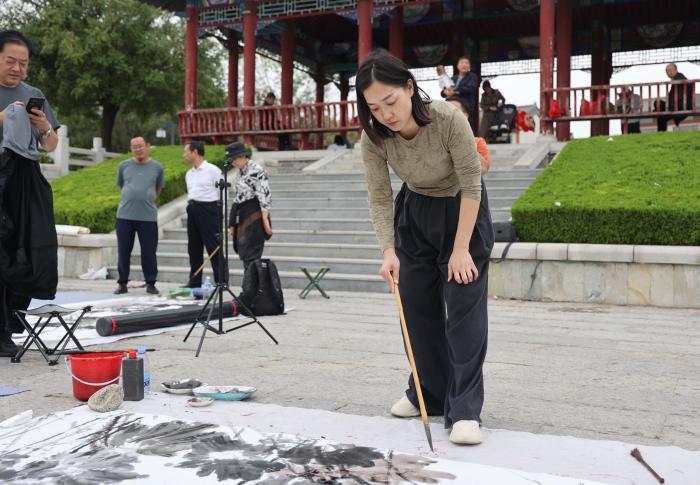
{"points": [[28, 247]]}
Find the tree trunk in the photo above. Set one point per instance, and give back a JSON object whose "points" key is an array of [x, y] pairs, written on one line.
{"points": [[109, 114]]}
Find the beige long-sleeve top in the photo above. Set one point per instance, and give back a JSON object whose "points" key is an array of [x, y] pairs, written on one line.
{"points": [[439, 161]]}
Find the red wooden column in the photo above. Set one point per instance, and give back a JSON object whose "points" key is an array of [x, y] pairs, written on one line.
{"points": [[546, 59], [287, 91], [344, 90], [396, 33], [364, 21], [564, 39], [320, 93], [250, 20], [287, 63], [191, 57], [232, 44], [600, 71]]}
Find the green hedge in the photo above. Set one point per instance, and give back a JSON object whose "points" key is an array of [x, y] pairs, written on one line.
{"points": [[90, 197], [634, 189]]}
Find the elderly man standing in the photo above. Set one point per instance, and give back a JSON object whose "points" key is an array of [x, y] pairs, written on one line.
{"points": [[203, 212], [141, 179], [680, 98], [28, 247]]}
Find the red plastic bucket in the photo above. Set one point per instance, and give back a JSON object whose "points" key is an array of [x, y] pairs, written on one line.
{"points": [[91, 372]]}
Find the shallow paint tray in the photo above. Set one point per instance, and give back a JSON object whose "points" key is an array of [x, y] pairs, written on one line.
{"points": [[184, 386], [225, 393]]}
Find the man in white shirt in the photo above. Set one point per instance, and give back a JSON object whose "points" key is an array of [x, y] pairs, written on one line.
{"points": [[203, 213]]}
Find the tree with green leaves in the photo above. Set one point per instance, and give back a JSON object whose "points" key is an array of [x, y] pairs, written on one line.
{"points": [[110, 57]]}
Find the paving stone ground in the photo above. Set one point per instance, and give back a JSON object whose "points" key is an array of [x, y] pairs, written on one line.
{"points": [[594, 371]]}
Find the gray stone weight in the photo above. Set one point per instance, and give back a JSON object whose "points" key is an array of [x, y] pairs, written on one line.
{"points": [[107, 399]]}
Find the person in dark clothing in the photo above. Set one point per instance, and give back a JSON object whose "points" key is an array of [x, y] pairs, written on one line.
{"points": [[492, 105], [466, 86], [437, 234], [28, 247], [249, 220], [203, 213], [680, 98], [272, 121], [140, 180]]}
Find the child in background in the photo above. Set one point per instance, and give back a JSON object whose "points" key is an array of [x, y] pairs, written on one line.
{"points": [[444, 80]]}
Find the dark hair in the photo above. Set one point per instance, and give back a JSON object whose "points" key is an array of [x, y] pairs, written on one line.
{"points": [[14, 37], [461, 102], [383, 67], [197, 146], [486, 84], [339, 140]]}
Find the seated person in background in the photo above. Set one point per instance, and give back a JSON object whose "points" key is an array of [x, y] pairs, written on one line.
{"points": [[481, 148], [491, 103], [338, 143], [632, 104], [444, 80]]}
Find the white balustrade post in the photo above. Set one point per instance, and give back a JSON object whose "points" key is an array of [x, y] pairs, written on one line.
{"points": [[98, 151], [62, 152]]}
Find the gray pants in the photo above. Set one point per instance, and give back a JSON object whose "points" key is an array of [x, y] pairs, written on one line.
{"points": [[447, 322]]}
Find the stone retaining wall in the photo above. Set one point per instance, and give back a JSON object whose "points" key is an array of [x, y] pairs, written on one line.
{"points": [[597, 273]]}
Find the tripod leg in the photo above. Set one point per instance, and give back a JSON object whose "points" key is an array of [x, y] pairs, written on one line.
{"points": [[252, 315], [199, 317], [205, 325]]}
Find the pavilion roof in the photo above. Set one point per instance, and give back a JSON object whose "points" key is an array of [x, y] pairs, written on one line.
{"points": [[438, 32]]}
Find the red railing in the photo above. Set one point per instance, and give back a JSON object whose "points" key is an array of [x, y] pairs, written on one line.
{"points": [[622, 101], [268, 120]]}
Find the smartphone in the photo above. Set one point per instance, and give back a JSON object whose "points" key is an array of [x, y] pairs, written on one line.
{"points": [[34, 103]]}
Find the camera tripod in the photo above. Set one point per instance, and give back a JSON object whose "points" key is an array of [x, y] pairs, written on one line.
{"points": [[221, 286]]}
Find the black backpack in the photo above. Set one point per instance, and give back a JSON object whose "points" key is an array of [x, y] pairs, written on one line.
{"points": [[262, 289]]}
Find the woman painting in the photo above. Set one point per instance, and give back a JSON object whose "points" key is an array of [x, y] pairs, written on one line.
{"points": [[437, 241]]}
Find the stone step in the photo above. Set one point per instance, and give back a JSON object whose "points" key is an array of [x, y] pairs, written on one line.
{"points": [[290, 279], [512, 183], [359, 176], [496, 191], [301, 248], [288, 263], [298, 235], [352, 203]]}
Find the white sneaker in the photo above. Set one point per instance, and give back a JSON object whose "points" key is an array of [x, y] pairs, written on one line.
{"points": [[504, 126], [404, 409], [466, 432]]}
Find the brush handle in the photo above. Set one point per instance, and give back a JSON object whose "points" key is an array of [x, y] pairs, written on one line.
{"points": [[638, 456], [409, 350]]}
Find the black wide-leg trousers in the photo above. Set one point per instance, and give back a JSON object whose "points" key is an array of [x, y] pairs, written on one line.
{"points": [[447, 322]]}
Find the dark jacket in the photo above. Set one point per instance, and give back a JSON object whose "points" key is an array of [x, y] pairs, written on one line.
{"points": [[683, 92], [467, 89]]}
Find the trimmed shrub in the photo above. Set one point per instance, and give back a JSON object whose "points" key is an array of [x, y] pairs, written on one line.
{"points": [[634, 189], [90, 197]]}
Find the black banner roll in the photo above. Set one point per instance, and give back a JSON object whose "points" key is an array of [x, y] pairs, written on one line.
{"points": [[135, 322]]}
